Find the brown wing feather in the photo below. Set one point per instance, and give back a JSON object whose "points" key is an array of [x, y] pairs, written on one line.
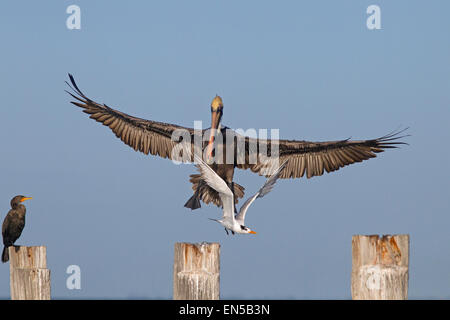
{"points": [[315, 158], [142, 135], [208, 194]]}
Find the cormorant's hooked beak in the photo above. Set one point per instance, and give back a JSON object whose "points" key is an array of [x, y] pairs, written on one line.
{"points": [[216, 116], [25, 199]]}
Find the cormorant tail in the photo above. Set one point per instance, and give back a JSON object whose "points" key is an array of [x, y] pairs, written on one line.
{"points": [[5, 254]]}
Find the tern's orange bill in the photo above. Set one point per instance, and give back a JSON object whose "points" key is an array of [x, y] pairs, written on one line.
{"points": [[252, 232], [25, 199]]}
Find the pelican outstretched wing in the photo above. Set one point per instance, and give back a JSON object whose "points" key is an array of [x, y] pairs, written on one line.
{"points": [[315, 158], [149, 137]]}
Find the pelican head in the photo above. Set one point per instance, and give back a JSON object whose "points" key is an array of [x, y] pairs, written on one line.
{"points": [[216, 116], [216, 104]]}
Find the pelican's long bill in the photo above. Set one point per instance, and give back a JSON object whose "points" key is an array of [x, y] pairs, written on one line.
{"points": [[216, 116]]}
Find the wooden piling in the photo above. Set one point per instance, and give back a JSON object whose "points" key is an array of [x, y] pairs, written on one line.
{"points": [[380, 267], [196, 271], [29, 276]]}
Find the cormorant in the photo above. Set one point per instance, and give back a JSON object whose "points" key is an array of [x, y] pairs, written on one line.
{"points": [[13, 224]]}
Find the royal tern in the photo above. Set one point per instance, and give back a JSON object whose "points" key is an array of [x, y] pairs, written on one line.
{"points": [[232, 222]]}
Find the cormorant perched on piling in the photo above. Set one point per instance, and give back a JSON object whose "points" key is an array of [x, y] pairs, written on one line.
{"points": [[13, 224]]}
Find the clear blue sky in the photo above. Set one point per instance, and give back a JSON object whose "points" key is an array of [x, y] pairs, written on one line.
{"points": [[310, 68]]}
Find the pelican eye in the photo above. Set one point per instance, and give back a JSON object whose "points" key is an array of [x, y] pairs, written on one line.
{"points": [[217, 109]]}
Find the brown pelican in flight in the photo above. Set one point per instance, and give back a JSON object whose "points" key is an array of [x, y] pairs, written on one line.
{"points": [[304, 157]]}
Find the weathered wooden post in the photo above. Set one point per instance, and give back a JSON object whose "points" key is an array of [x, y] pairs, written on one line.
{"points": [[29, 276], [380, 267], [196, 271]]}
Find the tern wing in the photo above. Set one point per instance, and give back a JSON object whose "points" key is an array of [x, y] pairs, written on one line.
{"points": [[265, 189], [218, 184]]}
